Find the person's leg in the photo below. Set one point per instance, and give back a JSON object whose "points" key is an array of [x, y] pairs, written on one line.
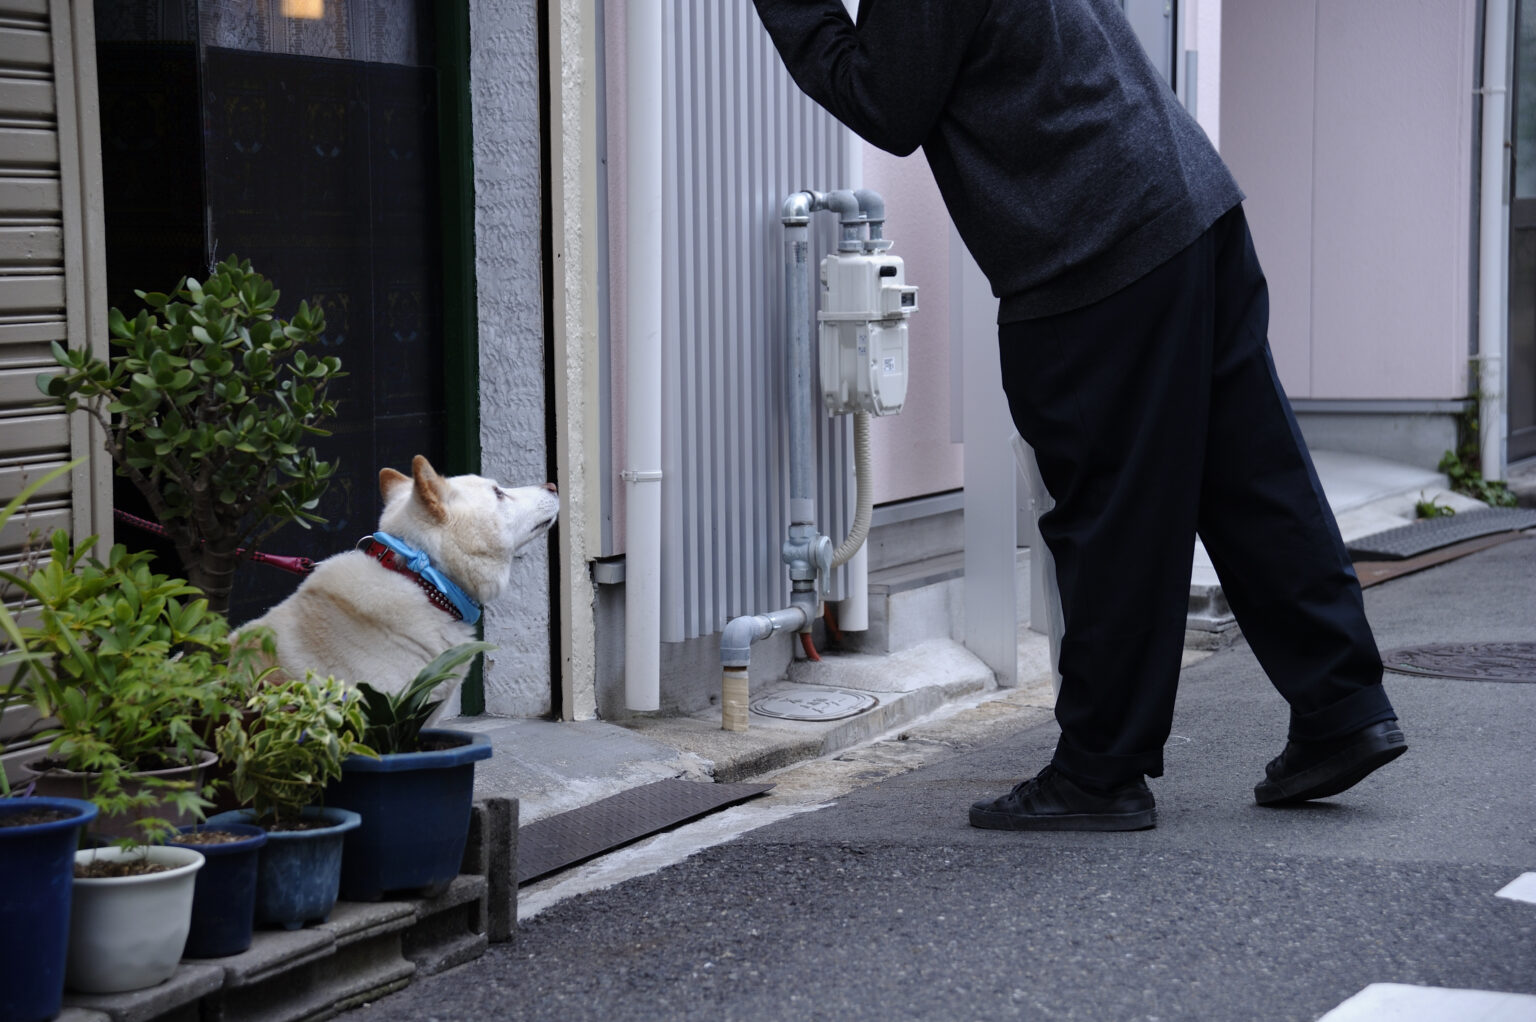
{"points": [[1114, 400], [1267, 525]]}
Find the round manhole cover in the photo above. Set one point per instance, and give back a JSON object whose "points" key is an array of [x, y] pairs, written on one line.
{"points": [[813, 703], [1468, 661]]}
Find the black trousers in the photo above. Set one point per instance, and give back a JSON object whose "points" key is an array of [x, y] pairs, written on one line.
{"points": [[1156, 414]]}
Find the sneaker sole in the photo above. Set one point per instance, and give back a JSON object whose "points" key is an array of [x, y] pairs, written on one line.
{"points": [[1345, 770], [1144, 819]]}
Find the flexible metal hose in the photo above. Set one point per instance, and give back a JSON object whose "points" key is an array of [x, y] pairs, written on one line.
{"points": [[864, 507]]}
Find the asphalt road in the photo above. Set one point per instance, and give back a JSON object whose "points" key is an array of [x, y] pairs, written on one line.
{"points": [[887, 905]]}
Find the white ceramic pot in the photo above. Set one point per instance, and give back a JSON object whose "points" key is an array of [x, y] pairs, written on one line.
{"points": [[126, 933]]}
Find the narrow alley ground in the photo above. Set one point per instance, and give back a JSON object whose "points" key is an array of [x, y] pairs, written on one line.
{"points": [[884, 904]]}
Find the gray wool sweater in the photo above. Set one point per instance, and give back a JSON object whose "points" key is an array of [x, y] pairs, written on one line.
{"points": [[1068, 165]]}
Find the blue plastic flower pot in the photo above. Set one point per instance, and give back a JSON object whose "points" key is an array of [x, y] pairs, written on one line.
{"points": [[415, 808], [299, 872], [37, 862], [224, 901]]}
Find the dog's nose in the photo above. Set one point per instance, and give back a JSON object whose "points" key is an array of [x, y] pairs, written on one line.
{"points": [[551, 488]]}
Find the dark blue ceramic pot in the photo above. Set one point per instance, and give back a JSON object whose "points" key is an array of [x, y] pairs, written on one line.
{"points": [[37, 862], [299, 873], [415, 808], [224, 901]]}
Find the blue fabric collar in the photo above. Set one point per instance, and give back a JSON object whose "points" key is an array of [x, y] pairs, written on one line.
{"points": [[418, 562]]}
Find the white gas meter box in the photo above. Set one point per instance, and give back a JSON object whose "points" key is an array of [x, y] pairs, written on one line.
{"points": [[865, 303]]}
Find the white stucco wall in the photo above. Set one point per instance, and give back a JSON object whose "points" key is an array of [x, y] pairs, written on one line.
{"points": [[504, 79], [1348, 123]]}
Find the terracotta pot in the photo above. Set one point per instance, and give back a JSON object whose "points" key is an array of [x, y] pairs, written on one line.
{"points": [[59, 783]]}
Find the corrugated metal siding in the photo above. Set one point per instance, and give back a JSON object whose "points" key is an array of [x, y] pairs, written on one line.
{"points": [[31, 267], [50, 251], [31, 290], [35, 177], [740, 137]]}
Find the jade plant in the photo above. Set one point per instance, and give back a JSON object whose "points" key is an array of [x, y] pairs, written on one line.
{"points": [[209, 405], [289, 744]]}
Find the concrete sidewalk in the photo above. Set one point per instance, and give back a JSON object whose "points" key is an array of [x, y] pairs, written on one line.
{"points": [[552, 767]]}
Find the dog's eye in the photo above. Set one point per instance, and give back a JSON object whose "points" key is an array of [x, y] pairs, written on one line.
{"points": [[500, 493]]}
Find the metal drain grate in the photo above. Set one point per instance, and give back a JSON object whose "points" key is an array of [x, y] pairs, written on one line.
{"points": [[1467, 661], [556, 842], [813, 703], [1432, 533]]}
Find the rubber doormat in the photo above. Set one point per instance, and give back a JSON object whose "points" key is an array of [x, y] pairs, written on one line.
{"points": [[1467, 661], [1431, 533], [1374, 572], [557, 842]]}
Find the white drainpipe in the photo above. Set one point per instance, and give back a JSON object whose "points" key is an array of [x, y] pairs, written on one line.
{"points": [[1493, 239], [642, 268]]}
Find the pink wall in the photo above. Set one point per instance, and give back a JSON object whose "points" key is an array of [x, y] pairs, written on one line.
{"points": [[1348, 123], [912, 454]]}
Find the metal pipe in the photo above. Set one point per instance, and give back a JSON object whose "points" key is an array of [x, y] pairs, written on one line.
{"points": [[872, 207], [808, 554], [1493, 240], [735, 653], [797, 297], [850, 216], [642, 334], [739, 634]]}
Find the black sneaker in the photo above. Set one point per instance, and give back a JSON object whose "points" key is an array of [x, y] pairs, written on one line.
{"points": [[1049, 801], [1308, 770]]}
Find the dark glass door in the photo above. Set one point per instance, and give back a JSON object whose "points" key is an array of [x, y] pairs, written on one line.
{"points": [[303, 137]]}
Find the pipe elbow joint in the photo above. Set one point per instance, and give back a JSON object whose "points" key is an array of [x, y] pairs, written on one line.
{"points": [[737, 637], [797, 209], [870, 204], [845, 204], [740, 633]]}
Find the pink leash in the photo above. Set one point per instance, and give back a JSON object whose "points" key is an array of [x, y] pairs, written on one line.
{"points": [[296, 565]]}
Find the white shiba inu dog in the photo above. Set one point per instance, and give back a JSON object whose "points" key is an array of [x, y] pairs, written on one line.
{"points": [[381, 612]]}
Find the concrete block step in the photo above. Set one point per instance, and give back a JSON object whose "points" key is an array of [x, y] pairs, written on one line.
{"points": [[363, 952]]}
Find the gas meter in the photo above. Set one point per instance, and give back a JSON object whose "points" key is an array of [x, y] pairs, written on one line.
{"points": [[865, 303]]}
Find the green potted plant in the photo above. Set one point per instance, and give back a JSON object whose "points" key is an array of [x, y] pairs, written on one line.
{"points": [[209, 406], [415, 796], [38, 837], [135, 669], [282, 752]]}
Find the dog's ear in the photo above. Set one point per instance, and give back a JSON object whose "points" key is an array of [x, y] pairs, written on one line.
{"points": [[430, 488], [390, 480]]}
